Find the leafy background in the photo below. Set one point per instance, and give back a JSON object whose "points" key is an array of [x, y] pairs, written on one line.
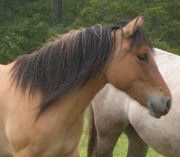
{"points": [[26, 24]]}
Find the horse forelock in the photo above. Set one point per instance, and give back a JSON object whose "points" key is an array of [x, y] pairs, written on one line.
{"points": [[140, 38]]}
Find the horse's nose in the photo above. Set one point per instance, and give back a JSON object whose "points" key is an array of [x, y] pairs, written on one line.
{"points": [[159, 106]]}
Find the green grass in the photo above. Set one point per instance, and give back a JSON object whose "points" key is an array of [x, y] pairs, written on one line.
{"points": [[120, 149]]}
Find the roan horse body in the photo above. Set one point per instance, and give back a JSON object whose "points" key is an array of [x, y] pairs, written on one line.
{"points": [[114, 112], [43, 95]]}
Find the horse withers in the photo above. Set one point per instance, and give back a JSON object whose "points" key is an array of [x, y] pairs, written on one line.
{"points": [[43, 95]]}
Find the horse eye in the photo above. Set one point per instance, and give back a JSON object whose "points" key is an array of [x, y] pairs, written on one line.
{"points": [[143, 57]]}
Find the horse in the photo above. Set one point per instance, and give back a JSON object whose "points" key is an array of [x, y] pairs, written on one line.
{"points": [[43, 95], [113, 112]]}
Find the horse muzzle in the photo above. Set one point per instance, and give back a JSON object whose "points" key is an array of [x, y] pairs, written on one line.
{"points": [[159, 105]]}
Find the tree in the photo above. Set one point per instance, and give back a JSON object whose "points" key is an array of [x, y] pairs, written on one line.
{"points": [[58, 5], [161, 17], [25, 25]]}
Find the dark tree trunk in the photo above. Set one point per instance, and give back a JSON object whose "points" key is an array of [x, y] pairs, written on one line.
{"points": [[58, 6]]}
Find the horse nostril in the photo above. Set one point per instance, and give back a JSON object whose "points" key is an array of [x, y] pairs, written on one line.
{"points": [[168, 103]]}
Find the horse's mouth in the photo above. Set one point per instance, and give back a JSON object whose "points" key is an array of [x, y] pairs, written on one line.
{"points": [[153, 114]]}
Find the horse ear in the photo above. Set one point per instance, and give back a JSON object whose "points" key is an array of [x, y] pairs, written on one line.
{"points": [[131, 27]]}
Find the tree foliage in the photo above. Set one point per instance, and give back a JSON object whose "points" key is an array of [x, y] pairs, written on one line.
{"points": [[26, 24], [161, 17]]}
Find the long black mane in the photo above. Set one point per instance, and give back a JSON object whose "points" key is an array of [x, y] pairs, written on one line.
{"points": [[68, 62]]}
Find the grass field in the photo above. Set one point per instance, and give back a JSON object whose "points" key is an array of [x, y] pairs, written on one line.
{"points": [[120, 149]]}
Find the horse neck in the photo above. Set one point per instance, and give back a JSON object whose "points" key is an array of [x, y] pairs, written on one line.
{"points": [[75, 103], [84, 96]]}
